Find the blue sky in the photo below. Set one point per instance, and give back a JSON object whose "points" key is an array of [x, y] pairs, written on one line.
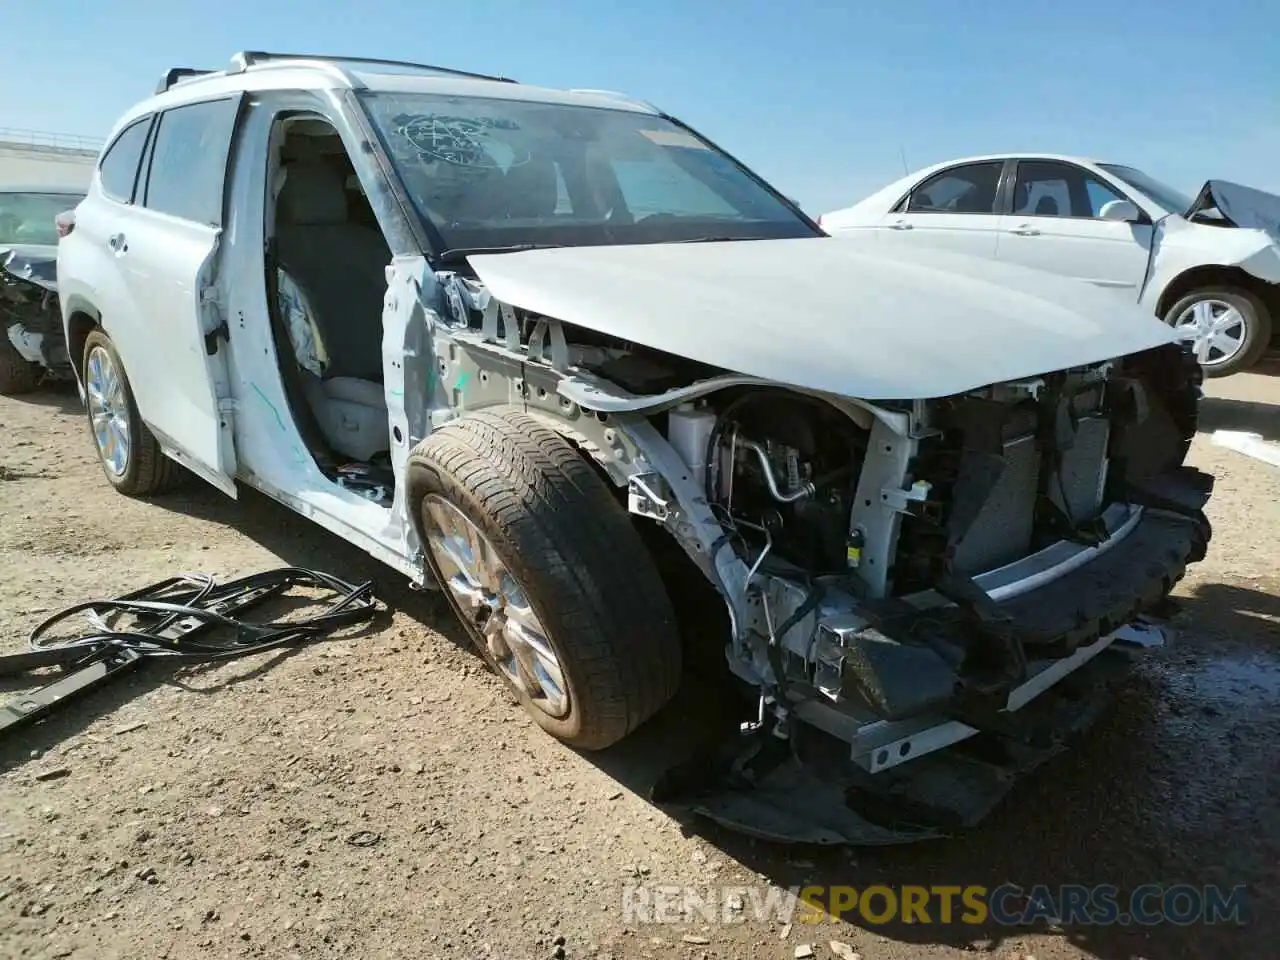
{"points": [[823, 99]]}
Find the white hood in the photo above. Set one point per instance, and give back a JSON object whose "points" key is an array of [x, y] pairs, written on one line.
{"points": [[837, 316]]}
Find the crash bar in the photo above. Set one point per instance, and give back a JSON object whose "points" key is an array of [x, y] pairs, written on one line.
{"points": [[179, 73], [248, 58]]}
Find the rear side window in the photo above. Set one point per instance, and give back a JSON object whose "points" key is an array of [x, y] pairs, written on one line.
{"points": [[967, 189], [118, 170], [189, 161]]}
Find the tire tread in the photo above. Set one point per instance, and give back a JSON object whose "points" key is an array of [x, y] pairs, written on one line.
{"points": [[598, 582]]}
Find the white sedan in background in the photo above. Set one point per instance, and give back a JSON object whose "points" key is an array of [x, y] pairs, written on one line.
{"points": [[1209, 265]]}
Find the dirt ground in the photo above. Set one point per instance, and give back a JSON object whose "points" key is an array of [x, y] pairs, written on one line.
{"points": [[381, 796]]}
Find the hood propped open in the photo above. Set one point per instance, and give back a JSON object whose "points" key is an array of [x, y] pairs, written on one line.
{"points": [[837, 316]]}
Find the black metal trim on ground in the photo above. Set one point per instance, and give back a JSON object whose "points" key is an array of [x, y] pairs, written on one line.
{"points": [[190, 617]]}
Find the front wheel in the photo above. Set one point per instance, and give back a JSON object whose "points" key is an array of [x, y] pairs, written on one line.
{"points": [[1228, 328], [548, 575], [130, 455]]}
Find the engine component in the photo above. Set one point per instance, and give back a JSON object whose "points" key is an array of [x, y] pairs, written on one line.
{"points": [[788, 464], [689, 430]]}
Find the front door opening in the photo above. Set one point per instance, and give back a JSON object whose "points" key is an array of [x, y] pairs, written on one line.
{"points": [[326, 279]]}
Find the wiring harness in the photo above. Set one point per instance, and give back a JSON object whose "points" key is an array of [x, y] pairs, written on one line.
{"points": [[191, 617]]}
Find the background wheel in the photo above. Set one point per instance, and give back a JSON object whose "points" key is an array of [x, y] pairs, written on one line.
{"points": [[543, 566], [1228, 327], [129, 454], [16, 374]]}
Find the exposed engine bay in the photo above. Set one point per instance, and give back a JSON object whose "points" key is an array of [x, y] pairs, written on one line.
{"points": [[907, 581], [783, 469], [917, 591]]}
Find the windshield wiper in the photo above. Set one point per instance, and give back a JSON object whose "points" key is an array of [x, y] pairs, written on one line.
{"points": [[711, 239], [454, 254]]}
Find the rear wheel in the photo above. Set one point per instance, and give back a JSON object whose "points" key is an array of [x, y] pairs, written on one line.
{"points": [[17, 375], [544, 568], [1228, 328], [130, 456]]}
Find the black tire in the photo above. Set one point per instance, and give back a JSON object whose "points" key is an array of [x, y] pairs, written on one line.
{"points": [[560, 532], [1257, 320], [16, 374], [147, 470]]}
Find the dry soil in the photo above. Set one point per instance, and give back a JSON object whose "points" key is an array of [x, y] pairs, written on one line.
{"points": [[381, 796]]}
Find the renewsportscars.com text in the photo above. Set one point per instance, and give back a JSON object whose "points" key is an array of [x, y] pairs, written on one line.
{"points": [[974, 904]]}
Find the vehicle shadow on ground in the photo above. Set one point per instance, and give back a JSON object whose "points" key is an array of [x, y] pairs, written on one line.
{"points": [[1269, 365], [1248, 416], [1164, 790], [298, 542], [60, 397]]}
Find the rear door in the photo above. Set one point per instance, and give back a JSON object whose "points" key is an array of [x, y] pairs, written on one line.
{"points": [[1053, 225], [184, 395], [954, 209], [95, 273]]}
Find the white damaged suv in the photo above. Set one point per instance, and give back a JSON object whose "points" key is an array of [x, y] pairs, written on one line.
{"points": [[558, 355]]}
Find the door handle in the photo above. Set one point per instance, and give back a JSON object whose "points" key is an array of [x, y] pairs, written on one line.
{"points": [[118, 243], [900, 225], [1025, 230]]}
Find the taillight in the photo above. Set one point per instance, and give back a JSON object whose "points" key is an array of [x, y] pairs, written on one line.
{"points": [[65, 222]]}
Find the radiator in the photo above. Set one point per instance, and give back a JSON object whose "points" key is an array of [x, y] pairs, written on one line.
{"points": [[1003, 528], [1001, 532], [1084, 471]]}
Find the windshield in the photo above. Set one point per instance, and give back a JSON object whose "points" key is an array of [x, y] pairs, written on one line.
{"points": [[28, 217], [1175, 201], [497, 173]]}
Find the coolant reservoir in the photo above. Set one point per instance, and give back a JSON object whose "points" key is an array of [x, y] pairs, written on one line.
{"points": [[689, 432]]}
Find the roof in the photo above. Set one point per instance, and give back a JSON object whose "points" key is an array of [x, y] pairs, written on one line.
{"points": [[254, 71], [989, 157]]}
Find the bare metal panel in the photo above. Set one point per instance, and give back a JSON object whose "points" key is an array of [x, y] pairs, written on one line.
{"points": [[1001, 532], [1083, 471]]}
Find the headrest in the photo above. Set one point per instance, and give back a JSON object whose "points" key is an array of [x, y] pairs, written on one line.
{"points": [[1047, 207], [312, 194]]}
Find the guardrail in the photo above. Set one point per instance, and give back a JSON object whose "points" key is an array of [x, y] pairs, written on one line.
{"points": [[43, 140]]}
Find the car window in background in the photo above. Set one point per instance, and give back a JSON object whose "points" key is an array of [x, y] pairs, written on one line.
{"points": [[1099, 195], [29, 217], [118, 170], [967, 189], [1049, 188], [493, 172], [189, 163], [1173, 200]]}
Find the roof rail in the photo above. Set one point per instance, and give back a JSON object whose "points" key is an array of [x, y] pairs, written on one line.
{"points": [[177, 74], [248, 58], [616, 96]]}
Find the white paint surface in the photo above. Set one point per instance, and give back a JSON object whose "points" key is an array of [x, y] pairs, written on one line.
{"points": [[829, 315]]}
